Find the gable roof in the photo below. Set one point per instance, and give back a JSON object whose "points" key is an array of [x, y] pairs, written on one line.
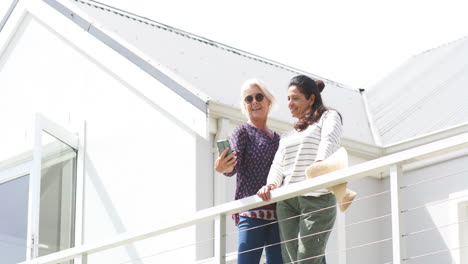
{"points": [[216, 70], [426, 94], [206, 70]]}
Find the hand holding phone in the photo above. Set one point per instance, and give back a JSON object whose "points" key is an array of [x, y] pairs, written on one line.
{"points": [[221, 164], [222, 145]]}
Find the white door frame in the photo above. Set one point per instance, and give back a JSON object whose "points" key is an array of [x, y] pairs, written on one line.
{"points": [[75, 141]]}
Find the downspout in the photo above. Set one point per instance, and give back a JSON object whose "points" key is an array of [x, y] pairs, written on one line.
{"points": [[373, 128]]}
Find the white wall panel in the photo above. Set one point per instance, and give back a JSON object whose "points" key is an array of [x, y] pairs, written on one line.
{"points": [[140, 159]]}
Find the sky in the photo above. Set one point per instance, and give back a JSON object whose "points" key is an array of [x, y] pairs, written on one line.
{"points": [[353, 42]]}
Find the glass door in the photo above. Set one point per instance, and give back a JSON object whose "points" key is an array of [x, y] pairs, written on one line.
{"points": [[53, 184], [57, 196]]}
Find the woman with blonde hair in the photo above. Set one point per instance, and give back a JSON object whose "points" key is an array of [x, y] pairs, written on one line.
{"points": [[254, 146]]}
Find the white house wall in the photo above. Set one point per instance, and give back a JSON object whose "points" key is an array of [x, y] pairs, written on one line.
{"points": [[434, 202], [437, 210], [372, 202], [142, 161], [149, 155]]}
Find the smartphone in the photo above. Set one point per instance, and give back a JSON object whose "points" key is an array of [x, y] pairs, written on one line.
{"points": [[222, 145]]}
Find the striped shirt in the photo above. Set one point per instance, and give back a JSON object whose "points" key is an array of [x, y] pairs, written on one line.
{"points": [[298, 150]]}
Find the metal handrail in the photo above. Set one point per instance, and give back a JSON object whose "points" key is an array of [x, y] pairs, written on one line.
{"points": [[355, 172]]}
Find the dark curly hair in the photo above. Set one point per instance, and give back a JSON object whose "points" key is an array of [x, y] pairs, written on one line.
{"points": [[308, 87]]}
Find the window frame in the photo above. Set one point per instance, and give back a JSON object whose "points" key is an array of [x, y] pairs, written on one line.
{"points": [[75, 141]]}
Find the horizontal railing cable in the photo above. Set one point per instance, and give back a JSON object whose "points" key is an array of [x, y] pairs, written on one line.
{"points": [[329, 230], [313, 257], [434, 253], [304, 214], [432, 179], [358, 171], [360, 222], [345, 249], [434, 203], [317, 233], [270, 245], [432, 228], [167, 251]]}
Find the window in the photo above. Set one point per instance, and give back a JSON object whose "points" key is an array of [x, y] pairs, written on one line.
{"points": [[14, 218], [41, 208], [57, 196]]}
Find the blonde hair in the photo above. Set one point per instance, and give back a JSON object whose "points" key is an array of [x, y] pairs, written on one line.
{"points": [[261, 85]]}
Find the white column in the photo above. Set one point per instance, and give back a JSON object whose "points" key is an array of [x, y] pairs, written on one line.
{"points": [[397, 229], [220, 239], [341, 221], [83, 259]]}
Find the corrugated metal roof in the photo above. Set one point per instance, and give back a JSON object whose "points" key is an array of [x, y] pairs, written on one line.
{"points": [[218, 70], [427, 93]]}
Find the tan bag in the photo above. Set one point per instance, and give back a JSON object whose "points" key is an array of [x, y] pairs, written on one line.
{"points": [[336, 161]]}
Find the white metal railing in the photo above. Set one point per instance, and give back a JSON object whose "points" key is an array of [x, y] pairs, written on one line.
{"points": [[392, 163]]}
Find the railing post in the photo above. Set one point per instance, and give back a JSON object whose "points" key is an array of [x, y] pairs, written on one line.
{"points": [[84, 258], [397, 230], [341, 234], [220, 239]]}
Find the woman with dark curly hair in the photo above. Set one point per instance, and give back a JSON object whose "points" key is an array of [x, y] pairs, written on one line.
{"points": [[316, 135]]}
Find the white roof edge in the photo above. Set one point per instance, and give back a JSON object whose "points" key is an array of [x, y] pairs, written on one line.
{"points": [[439, 46], [8, 13], [426, 138], [210, 42], [143, 61]]}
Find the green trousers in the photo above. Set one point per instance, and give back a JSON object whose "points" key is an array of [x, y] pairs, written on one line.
{"points": [[297, 233]]}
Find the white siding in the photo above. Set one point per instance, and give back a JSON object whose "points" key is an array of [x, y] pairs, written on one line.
{"points": [[434, 196], [141, 159]]}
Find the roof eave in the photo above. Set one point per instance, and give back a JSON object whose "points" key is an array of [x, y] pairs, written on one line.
{"points": [[143, 61]]}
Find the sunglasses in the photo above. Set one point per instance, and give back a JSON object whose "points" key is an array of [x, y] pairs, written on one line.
{"points": [[258, 97]]}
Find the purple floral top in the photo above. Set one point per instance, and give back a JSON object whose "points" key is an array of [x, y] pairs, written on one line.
{"points": [[255, 153]]}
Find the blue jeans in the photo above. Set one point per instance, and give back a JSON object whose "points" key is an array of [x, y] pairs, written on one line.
{"points": [[257, 238]]}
